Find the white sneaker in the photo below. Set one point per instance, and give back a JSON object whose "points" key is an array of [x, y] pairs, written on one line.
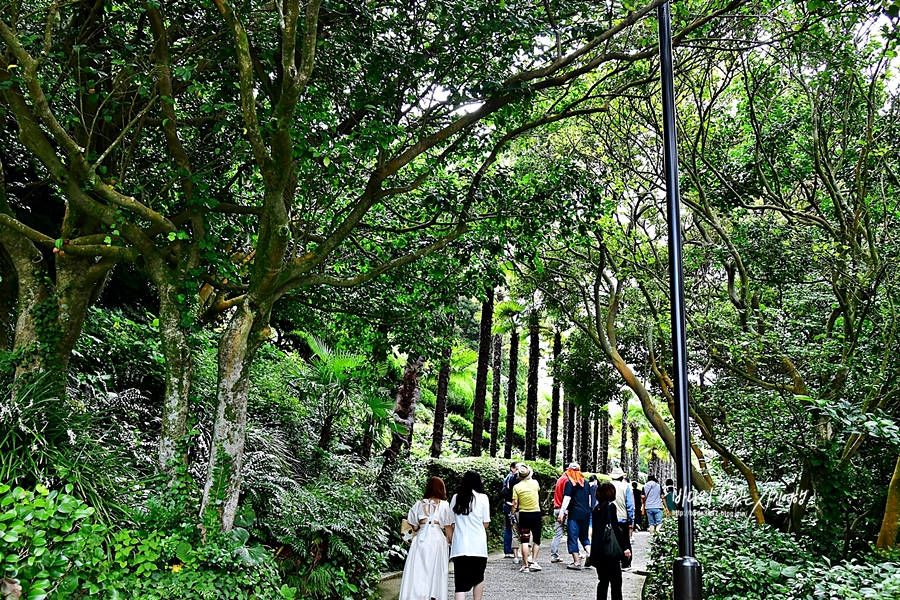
{"points": [[555, 559], [516, 559], [507, 556], [535, 567], [524, 569]]}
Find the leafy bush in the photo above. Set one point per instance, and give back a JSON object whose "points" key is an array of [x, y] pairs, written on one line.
{"points": [[743, 561], [464, 427], [53, 547]]}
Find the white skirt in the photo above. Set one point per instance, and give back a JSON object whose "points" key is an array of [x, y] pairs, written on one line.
{"points": [[427, 566]]}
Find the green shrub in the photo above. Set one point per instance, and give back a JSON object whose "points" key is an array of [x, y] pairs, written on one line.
{"points": [[743, 561], [464, 427]]}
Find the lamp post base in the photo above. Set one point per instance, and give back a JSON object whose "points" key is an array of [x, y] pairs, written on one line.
{"points": [[687, 578]]}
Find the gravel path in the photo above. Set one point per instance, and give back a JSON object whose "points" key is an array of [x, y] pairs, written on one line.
{"points": [[504, 582]]}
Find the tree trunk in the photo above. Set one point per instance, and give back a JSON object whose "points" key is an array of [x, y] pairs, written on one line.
{"points": [[179, 376], [595, 458], [603, 458], [404, 412], [379, 356], [635, 451], [484, 360], [242, 336], [512, 388], [570, 430], [565, 433], [440, 403], [887, 536], [554, 402], [623, 444], [531, 406], [496, 393], [584, 451]]}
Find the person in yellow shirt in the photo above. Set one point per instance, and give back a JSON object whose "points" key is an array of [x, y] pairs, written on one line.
{"points": [[527, 509]]}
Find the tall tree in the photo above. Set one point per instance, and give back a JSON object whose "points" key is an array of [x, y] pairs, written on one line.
{"points": [[485, 345], [623, 442], [496, 396], [554, 401], [603, 454], [569, 442], [635, 451], [584, 450], [531, 405], [440, 403], [408, 397]]}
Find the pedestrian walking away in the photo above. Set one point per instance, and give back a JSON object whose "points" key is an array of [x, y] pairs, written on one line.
{"points": [[609, 573], [624, 502], [638, 506], [471, 516], [559, 528], [527, 509], [653, 504], [425, 573], [510, 529], [576, 507]]}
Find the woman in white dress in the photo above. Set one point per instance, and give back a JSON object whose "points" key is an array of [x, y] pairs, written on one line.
{"points": [[426, 570]]}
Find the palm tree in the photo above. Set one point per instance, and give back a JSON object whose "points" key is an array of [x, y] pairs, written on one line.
{"points": [[554, 403], [328, 377], [507, 318], [531, 406], [455, 380], [484, 359]]}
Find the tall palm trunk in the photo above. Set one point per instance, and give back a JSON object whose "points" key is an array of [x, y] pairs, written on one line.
{"points": [[484, 360], [404, 413], [594, 457], [584, 451], [440, 404], [554, 402], [635, 451], [531, 406], [570, 430], [623, 446], [603, 458], [565, 432], [495, 392], [512, 389]]}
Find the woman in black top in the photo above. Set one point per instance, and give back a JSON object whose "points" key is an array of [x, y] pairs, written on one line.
{"points": [[608, 569]]}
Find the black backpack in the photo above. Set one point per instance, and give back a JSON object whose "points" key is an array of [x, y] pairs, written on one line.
{"points": [[506, 490]]}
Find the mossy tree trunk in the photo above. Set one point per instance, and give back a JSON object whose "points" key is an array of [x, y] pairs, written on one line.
{"points": [[496, 394], [440, 403]]}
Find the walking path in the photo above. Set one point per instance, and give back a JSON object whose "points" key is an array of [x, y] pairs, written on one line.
{"points": [[504, 582]]}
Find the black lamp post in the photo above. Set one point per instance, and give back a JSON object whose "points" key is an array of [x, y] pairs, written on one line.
{"points": [[686, 570]]}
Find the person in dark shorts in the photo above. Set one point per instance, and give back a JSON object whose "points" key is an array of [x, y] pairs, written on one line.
{"points": [[527, 508], [471, 514]]}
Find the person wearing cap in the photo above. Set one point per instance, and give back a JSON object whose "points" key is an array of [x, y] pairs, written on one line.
{"points": [[576, 506], [527, 508], [624, 506], [559, 527]]}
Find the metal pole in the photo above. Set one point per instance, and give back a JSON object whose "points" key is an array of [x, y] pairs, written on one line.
{"points": [[686, 570]]}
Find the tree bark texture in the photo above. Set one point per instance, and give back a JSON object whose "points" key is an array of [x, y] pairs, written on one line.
{"points": [[570, 429], [623, 442], [584, 451], [887, 535], [595, 458], [635, 451], [405, 411], [531, 406], [512, 389], [485, 343], [565, 433], [603, 454], [554, 401], [242, 336], [496, 392], [440, 403], [179, 376]]}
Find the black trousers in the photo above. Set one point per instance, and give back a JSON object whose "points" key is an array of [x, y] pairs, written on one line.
{"points": [[610, 574]]}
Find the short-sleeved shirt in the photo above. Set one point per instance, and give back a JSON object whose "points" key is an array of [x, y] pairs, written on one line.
{"points": [[559, 491], [580, 505], [652, 495], [526, 493], [469, 535]]}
